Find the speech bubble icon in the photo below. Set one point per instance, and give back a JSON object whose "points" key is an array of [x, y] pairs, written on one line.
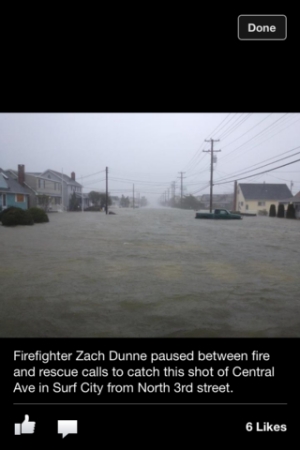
{"points": [[66, 427]]}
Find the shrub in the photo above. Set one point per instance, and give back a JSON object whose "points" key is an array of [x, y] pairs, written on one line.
{"points": [[272, 212], [280, 212], [16, 216], [291, 213], [263, 212], [38, 215], [5, 211]]}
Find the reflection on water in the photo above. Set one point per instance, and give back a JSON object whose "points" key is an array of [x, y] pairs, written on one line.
{"points": [[150, 273]]}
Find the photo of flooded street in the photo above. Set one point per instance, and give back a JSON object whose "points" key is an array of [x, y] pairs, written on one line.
{"points": [[150, 272]]}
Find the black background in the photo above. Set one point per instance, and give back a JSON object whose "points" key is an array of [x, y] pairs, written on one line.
{"points": [[174, 416]]}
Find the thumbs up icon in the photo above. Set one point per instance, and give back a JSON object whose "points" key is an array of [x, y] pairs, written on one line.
{"points": [[26, 427]]}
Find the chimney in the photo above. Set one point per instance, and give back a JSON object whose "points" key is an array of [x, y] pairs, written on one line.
{"points": [[21, 173], [73, 176]]}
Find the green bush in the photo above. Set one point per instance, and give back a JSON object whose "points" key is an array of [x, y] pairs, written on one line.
{"points": [[5, 211], [272, 212], [280, 212], [263, 212], [291, 213], [16, 216], [38, 215]]}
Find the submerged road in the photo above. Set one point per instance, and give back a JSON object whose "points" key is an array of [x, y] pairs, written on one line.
{"points": [[150, 273]]}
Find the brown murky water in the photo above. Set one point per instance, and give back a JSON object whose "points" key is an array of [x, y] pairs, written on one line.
{"points": [[150, 273]]}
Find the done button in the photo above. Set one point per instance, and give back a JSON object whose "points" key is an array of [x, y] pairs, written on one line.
{"points": [[262, 28]]}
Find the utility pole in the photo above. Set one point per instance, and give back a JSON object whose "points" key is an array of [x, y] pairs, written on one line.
{"points": [[133, 196], [212, 151], [62, 189], [174, 191], [181, 190], [106, 196], [168, 197], [235, 197], [81, 196]]}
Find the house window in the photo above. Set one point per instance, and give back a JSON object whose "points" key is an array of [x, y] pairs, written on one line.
{"points": [[242, 203], [261, 203], [247, 206], [41, 183], [3, 199], [19, 198]]}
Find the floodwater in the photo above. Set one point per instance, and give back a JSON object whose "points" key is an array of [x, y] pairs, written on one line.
{"points": [[150, 273]]}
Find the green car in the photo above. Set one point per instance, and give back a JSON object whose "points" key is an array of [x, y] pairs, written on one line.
{"points": [[217, 214]]}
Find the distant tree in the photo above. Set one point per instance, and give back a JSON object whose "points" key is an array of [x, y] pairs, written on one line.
{"points": [[272, 212], [190, 202], [124, 202], [44, 201], [280, 212], [74, 203], [144, 201], [103, 199], [99, 198], [95, 198], [291, 213]]}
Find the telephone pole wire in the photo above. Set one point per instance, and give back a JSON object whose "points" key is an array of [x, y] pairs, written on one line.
{"points": [[212, 151]]}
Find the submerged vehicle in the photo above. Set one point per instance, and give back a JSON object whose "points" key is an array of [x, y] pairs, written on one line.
{"points": [[217, 214]]}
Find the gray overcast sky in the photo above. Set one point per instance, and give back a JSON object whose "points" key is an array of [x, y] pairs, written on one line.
{"points": [[152, 148]]}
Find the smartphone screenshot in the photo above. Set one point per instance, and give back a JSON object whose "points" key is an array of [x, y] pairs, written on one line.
{"points": [[149, 265]]}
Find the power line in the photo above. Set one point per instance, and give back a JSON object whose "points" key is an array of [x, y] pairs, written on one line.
{"points": [[96, 173], [251, 170], [125, 180], [222, 158], [265, 171], [234, 127], [249, 140], [246, 132], [93, 182], [257, 164], [270, 137]]}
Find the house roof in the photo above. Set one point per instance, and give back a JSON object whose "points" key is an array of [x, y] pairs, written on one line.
{"points": [[295, 199], [265, 191], [63, 176], [10, 185]]}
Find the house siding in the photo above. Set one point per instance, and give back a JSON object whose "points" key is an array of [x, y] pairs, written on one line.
{"points": [[67, 186], [11, 200], [256, 205]]}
